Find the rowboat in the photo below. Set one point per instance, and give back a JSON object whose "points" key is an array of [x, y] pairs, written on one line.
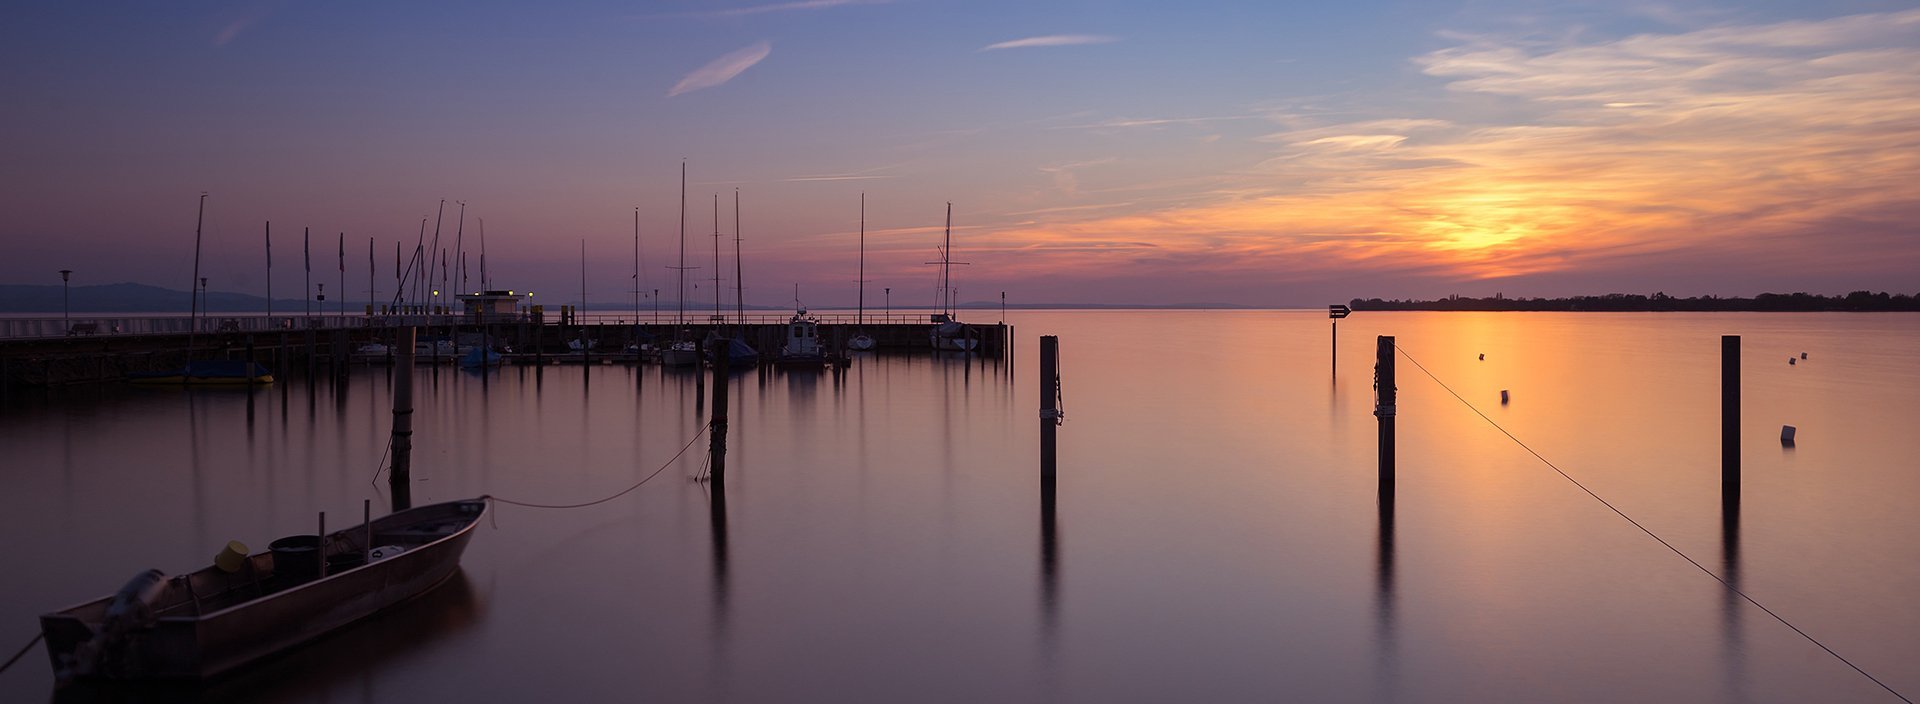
{"points": [[247, 607]]}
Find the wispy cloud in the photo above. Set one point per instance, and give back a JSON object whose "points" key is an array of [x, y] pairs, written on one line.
{"points": [[722, 69], [1759, 152], [246, 17], [1051, 40], [1122, 122], [798, 5]]}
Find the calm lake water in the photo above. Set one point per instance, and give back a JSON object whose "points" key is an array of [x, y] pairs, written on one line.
{"points": [[1217, 535]]}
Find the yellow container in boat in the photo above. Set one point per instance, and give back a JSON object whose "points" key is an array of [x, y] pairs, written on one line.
{"points": [[231, 557]]}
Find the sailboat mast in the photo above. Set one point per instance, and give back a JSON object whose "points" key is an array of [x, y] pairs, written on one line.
{"points": [[636, 265], [739, 282], [483, 253], [459, 245], [946, 267], [716, 259], [269, 234], [860, 317], [680, 279], [193, 290]]}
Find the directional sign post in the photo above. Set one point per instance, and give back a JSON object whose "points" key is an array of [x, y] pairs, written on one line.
{"points": [[1336, 312]]}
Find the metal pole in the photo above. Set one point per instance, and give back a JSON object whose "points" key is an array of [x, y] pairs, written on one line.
{"points": [[1384, 409], [399, 481], [1334, 360], [66, 322], [1049, 406], [1730, 416], [320, 550]]}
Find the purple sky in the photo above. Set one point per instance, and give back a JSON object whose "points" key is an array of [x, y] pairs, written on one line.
{"points": [[1244, 152]]}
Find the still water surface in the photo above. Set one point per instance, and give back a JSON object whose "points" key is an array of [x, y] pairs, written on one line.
{"points": [[1216, 538]]}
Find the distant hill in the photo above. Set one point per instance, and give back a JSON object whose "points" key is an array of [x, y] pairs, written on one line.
{"points": [[135, 298]]}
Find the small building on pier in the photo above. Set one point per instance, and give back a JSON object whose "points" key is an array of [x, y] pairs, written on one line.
{"points": [[494, 306]]}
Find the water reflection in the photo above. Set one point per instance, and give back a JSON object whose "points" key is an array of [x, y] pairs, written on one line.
{"points": [[359, 657], [1386, 640], [1732, 623]]}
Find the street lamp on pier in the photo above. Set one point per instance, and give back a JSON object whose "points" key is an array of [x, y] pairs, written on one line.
{"points": [[65, 317]]}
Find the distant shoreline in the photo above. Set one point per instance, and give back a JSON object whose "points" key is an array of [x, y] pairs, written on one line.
{"points": [[1856, 302]]}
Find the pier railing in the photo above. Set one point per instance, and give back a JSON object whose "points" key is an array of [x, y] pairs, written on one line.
{"points": [[30, 328], [136, 325]]}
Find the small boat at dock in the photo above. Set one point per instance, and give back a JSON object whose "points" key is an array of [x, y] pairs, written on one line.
{"points": [[247, 607]]}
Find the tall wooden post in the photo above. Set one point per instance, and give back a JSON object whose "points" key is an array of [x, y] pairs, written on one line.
{"points": [[1333, 359], [1730, 416], [717, 435], [1384, 410], [400, 479], [1049, 406]]}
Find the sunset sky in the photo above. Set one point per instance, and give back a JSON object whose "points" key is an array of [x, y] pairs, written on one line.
{"points": [[1257, 153]]}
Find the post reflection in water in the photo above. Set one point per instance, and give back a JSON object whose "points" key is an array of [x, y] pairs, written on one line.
{"points": [[722, 583], [1732, 623], [1386, 632]]}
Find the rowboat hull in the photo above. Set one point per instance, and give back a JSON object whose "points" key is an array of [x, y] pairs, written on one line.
{"points": [[270, 611]]}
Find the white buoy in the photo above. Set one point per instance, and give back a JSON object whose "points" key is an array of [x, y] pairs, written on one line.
{"points": [[1786, 434], [1503, 397]]}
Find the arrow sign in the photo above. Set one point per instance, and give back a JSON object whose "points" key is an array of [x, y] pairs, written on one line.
{"points": [[1337, 311]]}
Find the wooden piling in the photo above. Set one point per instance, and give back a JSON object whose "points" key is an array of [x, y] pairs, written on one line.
{"points": [[1384, 409], [400, 479], [1730, 415], [717, 435], [1049, 405]]}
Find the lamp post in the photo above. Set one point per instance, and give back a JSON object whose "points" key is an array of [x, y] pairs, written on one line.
{"points": [[65, 322], [889, 291]]}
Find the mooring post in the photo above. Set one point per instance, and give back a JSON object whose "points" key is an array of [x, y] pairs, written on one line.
{"points": [[250, 362], [1384, 409], [1333, 359], [1729, 416], [400, 479], [1049, 406], [717, 438]]}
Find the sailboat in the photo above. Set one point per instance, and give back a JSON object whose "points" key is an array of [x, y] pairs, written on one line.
{"points": [[683, 352], [739, 354], [948, 333], [861, 341], [203, 371]]}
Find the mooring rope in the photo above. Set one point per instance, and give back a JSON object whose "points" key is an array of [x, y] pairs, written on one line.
{"points": [[622, 492], [1663, 541], [23, 651]]}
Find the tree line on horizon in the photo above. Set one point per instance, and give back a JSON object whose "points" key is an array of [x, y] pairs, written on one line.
{"points": [[1857, 301]]}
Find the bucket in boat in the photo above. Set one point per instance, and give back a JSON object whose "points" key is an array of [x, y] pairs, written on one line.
{"points": [[296, 556], [232, 557]]}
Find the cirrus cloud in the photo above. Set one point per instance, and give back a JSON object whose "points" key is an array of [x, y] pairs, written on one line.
{"points": [[1050, 40], [723, 69]]}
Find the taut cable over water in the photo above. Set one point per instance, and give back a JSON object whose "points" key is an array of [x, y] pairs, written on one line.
{"points": [[1663, 541]]}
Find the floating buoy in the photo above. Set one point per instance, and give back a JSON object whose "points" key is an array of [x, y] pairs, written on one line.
{"points": [[1483, 356], [1790, 361], [1786, 434], [1803, 355], [1503, 397]]}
